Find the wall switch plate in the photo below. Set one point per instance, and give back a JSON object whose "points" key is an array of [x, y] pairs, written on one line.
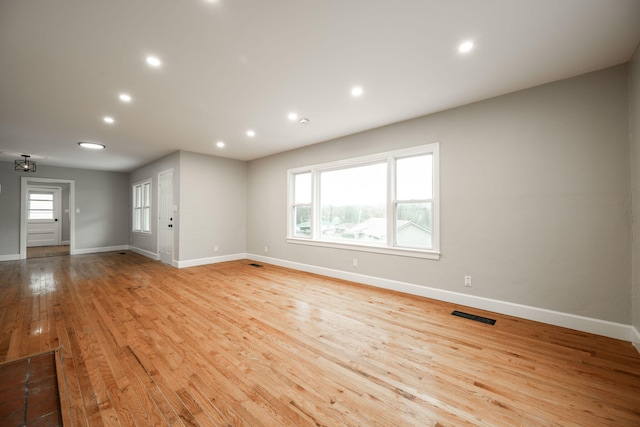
{"points": [[355, 262]]}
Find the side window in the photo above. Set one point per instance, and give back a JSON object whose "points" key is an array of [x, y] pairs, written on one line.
{"points": [[142, 207], [301, 207]]}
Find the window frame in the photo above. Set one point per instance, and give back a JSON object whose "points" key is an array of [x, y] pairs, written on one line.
{"points": [[142, 208], [390, 157]]}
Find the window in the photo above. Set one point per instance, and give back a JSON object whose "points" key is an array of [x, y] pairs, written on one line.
{"points": [[386, 203], [142, 207], [40, 205]]}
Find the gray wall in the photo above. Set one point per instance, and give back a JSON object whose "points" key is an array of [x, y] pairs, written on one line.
{"points": [[213, 195], [634, 135], [534, 198], [149, 242], [100, 197]]}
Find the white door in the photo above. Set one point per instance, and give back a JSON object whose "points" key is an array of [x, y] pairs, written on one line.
{"points": [[43, 216], [165, 216]]}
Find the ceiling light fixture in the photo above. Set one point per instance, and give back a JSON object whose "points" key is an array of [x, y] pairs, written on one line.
{"points": [[304, 121], [108, 119], [293, 117], [220, 144], [465, 47], [25, 165], [91, 145], [154, 61], [357, 91], [125, 97], [251, 133]]}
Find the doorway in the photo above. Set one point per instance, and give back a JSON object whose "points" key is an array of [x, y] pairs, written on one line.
{"points": [[47, 217]]}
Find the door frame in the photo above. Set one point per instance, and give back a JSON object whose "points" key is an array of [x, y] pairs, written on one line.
{"points": [[27, 182]]}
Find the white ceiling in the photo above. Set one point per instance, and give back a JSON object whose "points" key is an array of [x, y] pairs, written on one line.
{"points": [[231, 65]]}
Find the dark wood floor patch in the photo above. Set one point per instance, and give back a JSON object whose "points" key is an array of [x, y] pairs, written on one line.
{"points": [[29, 392]]}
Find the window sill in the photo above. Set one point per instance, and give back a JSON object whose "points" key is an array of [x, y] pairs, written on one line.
{"points": [[144, 233], [414, 253]]}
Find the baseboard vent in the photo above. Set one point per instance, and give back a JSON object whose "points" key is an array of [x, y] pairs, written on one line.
{"points": [[474, 317], [253, 264]]}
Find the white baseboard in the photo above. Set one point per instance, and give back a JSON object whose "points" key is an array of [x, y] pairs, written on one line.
{"points": [[636, 338], [146, 253], [210, 260], [12, 257], [102, 249], [572, 321]]}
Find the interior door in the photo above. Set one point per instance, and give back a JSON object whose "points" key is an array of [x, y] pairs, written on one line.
{"points": [[165, 216], [43, 216]]}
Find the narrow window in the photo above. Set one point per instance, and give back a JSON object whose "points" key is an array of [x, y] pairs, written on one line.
{"points": [[142, 207], [414, 202], [302, 205]]}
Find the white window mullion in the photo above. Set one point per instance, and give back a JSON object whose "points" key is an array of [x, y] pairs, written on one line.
{"points": [[391, 202], [316, 215]]}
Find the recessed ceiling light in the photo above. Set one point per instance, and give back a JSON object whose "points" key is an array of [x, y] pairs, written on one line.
{"points": [[125, 97], [304, 121], [357, 91], [108, 119], [220, 144], [91, 145], [251, 133], [465, 47], [292, 116], [154, 61]]}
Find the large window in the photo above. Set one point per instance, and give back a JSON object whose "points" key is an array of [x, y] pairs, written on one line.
{"points": [[387, 203], [142, 207]]}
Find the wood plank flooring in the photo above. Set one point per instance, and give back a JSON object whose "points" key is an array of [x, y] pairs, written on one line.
{"points": [[46, 251], [139, 343]]}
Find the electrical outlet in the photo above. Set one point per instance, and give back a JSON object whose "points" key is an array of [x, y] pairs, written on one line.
{"points": [[467, 281], [215, 249], [355, 262], [266, 249]]}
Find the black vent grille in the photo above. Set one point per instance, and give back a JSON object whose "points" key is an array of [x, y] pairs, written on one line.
{"points": [[474, 317]]}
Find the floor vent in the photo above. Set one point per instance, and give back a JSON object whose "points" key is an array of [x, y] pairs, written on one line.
{"points": [[474, 317], [253, 264], [123, 253]]}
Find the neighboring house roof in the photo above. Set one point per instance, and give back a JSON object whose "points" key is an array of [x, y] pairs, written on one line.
{"points": [[377, 227]]}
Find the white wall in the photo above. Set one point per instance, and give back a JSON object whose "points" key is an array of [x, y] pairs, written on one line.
{"points": [[535, 198], [100, 196], [213, 194], [634, 135]]}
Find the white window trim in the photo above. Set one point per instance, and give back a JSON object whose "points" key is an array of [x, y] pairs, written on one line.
{"points": [[140, 184], [315, 170]]}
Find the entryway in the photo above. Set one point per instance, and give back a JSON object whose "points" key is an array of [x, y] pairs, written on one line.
{"points": [[46, 217]]}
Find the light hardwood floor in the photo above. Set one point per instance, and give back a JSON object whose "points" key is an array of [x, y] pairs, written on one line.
{"points": [[140, 344]]}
